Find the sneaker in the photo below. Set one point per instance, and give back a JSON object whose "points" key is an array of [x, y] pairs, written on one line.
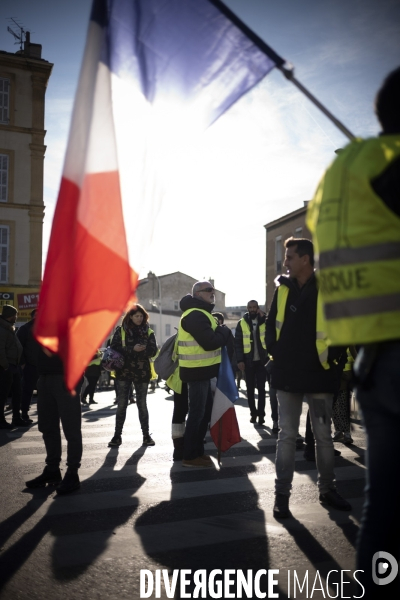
{"points": [[281, 507], [253, 419], [261, 420], [338, 436], [18, 422], [132, 401], [332, 498], [84, 401], [207, 458], [26, 418], [93, 402], [347, 439], [275, 428], [52, 477], [148, 441], [196, 462], [116, 441], [69, 484], [5, 425]]}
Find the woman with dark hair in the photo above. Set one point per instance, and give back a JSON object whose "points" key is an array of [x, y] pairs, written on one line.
{"points": [[137, 343]]}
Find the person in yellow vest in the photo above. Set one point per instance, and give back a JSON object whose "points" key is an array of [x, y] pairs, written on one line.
{"points": [[92, 374], [302, 368], [251, 356], [200, 340], [355, 221]]}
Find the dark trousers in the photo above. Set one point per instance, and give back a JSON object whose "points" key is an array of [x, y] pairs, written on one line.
{"points": [[199, 415], [256, 376], [380, 523], [273, 400], [91, 386], [181, 407], [122, 389], [29, 382], [55, 403], [11, 385]]}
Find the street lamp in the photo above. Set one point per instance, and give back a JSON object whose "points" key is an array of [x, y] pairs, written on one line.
{"points": [[158, 302]]}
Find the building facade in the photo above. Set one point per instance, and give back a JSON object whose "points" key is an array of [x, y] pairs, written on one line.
{"points": [[160, 296], [23, 81], [292, 224]]}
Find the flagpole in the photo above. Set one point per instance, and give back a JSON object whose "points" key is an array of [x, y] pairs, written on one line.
{"points": [[219, 441], [289, 74], [279, 63]]}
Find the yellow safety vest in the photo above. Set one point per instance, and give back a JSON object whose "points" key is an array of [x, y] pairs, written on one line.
{"points": [[123, 335], [191, 354], [350, 361], [174, 381], [321, 338], [95, 361], [358, 240], [247, 336]]}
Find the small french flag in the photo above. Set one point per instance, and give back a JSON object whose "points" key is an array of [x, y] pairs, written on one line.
{"points": [[224, 427]]}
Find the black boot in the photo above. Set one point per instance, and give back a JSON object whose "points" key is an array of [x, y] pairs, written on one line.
{"points": [[178, 449], [51, 477], [70, 483]]}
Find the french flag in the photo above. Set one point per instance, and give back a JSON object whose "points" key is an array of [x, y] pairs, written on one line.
{"points": [[224, 427], [155, 74]]}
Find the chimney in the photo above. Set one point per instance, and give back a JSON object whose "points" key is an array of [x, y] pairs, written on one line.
{"points": [[31, 50]]}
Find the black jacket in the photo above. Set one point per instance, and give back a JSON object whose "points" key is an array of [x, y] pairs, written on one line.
{"points": [[199, 326], [296, 366], [31, 347], [240, 355]]}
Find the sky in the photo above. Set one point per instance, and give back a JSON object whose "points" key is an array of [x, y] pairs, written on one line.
{"points": [[264, 156]]}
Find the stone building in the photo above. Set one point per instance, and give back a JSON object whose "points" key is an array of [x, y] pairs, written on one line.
{"points": [[292, 224], [23, 81], [160, 296]]}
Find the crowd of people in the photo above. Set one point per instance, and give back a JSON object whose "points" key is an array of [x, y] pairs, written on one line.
{"points": [[316, 334]]}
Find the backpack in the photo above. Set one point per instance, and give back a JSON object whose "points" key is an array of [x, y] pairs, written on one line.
{"points": [[164, 363]]}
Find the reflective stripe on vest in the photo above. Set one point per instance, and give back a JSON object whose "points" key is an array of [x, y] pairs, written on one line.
{"points": [[247, 336], [357, 238], [321, 339], [191, 354], [123, 335]]}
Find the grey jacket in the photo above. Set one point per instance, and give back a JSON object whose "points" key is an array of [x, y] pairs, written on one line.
{"points": [[10, 346]]}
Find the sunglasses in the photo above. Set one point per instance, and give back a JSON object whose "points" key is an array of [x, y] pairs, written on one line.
{"points": [[209, 290]]}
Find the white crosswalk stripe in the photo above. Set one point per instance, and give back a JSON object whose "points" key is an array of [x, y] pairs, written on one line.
{"points": [[135, 501]]}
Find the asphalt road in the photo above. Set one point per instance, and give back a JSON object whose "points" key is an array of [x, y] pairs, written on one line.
{"points": [[138, 510]]}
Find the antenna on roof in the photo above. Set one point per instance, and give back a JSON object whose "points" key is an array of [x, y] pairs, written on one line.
{"points": [[20, 36]]}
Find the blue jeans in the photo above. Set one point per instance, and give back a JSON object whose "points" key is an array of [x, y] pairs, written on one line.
{"points": [[290, 406], [122, 389], [199, 415], [380, 524]]}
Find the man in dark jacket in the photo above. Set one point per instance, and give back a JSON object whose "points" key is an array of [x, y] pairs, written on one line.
{"points": [[31, 349], [10, 369], [302, 367], [56, 404], [251, 356], [199, 345]]}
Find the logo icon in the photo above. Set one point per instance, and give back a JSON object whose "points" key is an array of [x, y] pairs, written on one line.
{"points": [[384, 568]]}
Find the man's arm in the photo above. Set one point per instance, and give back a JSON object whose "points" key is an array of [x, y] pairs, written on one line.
{"points": [[387, 186], [239, 346], [270, 327], [199, 326]]}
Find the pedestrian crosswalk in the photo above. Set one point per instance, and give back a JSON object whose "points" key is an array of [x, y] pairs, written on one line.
{"points": [[137, 509]]}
